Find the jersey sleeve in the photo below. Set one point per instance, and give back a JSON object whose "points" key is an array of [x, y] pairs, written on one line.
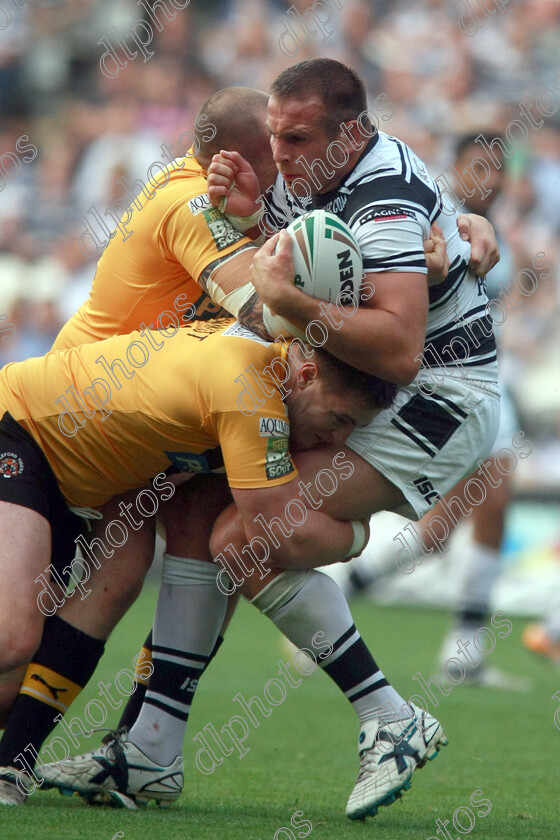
{"points": [[196, 234], [390, 230], [255, 449]]}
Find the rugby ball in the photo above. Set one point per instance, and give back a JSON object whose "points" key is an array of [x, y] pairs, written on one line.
{"points": [[328, 266]]}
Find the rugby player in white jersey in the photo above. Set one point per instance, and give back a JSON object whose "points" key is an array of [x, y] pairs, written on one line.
{"points": [[437, 344]]}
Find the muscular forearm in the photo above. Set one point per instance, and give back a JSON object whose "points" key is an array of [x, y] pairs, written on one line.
{"points": [[250, 315], [373, 340], [318, 541]]}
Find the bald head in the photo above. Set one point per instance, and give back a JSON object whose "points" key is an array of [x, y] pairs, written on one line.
{"points": [[239, 116]]}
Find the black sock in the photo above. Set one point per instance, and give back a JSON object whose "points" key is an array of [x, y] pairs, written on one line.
{"points": [[474, 617], [62, 666]]}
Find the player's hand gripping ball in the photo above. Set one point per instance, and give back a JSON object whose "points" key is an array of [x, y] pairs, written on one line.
{"points": [[328, 265]]}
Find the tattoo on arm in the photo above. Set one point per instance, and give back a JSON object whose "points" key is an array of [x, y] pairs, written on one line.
{"points": [[250, 315]]}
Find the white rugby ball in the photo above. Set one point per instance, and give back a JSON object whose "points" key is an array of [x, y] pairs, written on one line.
{"points": [[328, 265]]}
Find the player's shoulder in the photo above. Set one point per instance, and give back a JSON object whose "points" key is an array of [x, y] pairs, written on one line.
{"points": [[182, 183], [390, 163], [236, 367], [391, 178]]}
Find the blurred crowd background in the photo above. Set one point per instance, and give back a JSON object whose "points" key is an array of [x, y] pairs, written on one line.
{"points": [[90, 130]]}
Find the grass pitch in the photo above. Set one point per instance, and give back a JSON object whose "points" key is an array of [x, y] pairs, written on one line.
{"points": [[303, 757]]}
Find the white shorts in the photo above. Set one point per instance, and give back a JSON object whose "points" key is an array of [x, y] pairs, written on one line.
{"points": [[425, 444], [509, 421]]}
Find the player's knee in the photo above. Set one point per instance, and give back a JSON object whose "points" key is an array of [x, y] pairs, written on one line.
{"points": [[18, 644]]}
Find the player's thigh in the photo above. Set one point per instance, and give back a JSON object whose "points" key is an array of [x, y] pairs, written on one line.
{"points": [[190, 514], [341, 483], [424, 444], [130, 560], [444, 511], [25, 553], [489, 518]]}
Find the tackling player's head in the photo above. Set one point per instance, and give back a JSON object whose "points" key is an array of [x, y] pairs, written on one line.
{"points": [[313, 122], [328, 398], [238, 115]]}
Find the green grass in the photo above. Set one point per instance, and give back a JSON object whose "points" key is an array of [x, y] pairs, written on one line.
{"points": [[303, 756]]}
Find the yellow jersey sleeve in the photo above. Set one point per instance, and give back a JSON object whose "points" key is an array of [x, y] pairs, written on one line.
{"points": [[196, 238], [255, 449]]}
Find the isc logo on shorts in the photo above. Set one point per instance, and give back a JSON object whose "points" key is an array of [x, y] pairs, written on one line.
{"points": [[10, 465], [426, 488]]}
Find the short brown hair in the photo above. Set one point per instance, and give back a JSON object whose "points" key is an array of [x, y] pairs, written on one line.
{"points": [[340, 89], [372, 391]]}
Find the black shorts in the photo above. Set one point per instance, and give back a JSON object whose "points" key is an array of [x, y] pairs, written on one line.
{"points": [[26, 479]]}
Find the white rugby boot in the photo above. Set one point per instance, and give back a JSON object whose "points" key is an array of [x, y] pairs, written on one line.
{"points": [[389, 754], [13, 786], [116, 773]]}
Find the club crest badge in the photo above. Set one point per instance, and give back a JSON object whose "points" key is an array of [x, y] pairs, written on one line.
{"points": [[10, 465]]}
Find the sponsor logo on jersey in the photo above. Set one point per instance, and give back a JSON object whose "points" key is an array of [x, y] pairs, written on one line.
{"points": [[388, 214], [205, 310], [223, 232], [199, 203], [277, 462], [197, 462], [273, 427], [10, 465], [337, 204]]}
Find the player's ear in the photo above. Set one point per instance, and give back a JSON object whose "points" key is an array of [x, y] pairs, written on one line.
{"points": [[351, 136], [308, 373]]}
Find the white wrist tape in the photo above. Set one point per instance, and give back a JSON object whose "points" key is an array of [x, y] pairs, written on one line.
{"points": [[240, 223], [244, 223], [359, 542], [232, 301]]}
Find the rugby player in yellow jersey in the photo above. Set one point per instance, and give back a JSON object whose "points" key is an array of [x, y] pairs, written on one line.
{"points": [[180, 404], [148, 276]]}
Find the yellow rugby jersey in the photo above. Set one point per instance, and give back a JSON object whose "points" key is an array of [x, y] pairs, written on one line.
{"points": [[153, 263], [111, 415]]}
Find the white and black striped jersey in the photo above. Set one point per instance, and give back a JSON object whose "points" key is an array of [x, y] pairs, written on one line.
{"points": [[389, 201]]}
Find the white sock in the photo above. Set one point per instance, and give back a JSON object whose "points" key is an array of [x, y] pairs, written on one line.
{"points": [[477, 571], [189, 614], [311, 611]]}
